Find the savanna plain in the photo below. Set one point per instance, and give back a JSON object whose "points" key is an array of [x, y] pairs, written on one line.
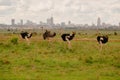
{"points": [[53, 60]]}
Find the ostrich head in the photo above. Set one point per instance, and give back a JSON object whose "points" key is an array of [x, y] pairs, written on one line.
{"points": [[73, 33]]}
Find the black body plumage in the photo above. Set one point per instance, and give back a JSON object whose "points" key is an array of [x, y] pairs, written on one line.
{"points": [[25, 34], [67, 36], [48, 34], [102, 39]]}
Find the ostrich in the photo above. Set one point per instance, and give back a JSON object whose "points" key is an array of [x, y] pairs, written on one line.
{"points": [[48, 35], [26, 36], [68, 38], [102, 40]]}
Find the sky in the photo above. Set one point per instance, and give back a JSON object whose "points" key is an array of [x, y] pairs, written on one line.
{"points": [[76, 11]]}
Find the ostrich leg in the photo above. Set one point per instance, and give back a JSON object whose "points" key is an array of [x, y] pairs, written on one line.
{"points": [[101, 45], [28, 42], [69, 43]]}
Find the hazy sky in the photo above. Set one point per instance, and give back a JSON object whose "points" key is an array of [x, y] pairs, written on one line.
{"points": [[77, 11]]}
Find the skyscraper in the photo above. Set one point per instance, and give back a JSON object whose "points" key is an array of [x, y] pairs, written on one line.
{"points": [[21, 22], [69, 22], [119, 24], [50, 21], [13, 22], [99, 22]]}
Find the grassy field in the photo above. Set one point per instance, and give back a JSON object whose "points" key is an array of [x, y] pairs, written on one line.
{"points": [[43, 60]]}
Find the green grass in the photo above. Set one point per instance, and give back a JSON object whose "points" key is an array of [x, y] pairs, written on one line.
{"points": [[42, 60]]}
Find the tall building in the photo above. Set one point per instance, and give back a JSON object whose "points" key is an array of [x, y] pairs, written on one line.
{"points": [[50, 21], [21, 22], [69, 22], [13, 22], [93, 25], [63, 24], [119, 24], [103, 24], [99, 22]]}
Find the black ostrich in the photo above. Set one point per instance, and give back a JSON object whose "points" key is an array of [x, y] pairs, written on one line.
{"points": [[68, 38], [26, 36], [48, 35], [102, 40]]}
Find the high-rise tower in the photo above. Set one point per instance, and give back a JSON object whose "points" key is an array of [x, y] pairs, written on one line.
{"points": [[50, 21], [99, 22], [119, 24], [13, 22], [21, 22]]}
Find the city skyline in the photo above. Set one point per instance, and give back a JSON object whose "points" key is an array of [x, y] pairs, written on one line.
{"points": [[50, 22], [77, 11]]}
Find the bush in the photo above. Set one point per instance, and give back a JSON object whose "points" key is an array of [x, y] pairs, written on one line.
{"points": [[14, 40]]}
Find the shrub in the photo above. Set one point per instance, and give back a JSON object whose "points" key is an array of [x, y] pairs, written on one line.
{"points": [[14, 40]]}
